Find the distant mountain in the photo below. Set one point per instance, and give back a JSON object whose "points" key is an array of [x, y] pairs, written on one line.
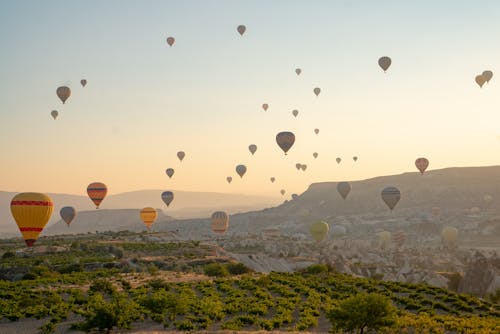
{"points": [[185, 205]]}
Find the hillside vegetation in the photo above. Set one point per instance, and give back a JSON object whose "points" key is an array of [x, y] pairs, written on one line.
{"points": [[181, 286]]}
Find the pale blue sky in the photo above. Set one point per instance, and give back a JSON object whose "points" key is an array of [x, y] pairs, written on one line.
{"points": [[144, 100]]}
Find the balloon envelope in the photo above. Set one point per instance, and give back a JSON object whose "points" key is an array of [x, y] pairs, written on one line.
{"points": [[241, 29], [315, 155], [480, 80], [167, 197], [316, 131], [317, 90], [54, 114], [63, 93], [344, 188], [282, 191], [399, 238], [298, 166], [252, 148], [170, 172], [229, 179], [391, 196], [220, 222], [487, 75], [422, 164], [241, 170], [338, 160], [355, 158], [83, 82], [68, 213], [171, 41], [450, 235], [298, 71], [97, 192], [319, 230], [295, 112], [265, 106], [384, 63], [148, 216], [303, 167], [181, 155], [273, 179], [285, 140], [31, 211]]}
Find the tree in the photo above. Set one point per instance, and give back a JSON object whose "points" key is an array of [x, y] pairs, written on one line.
{"points": [[363, 311]]}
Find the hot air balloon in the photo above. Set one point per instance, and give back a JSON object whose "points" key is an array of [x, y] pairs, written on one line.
{"points": [[315, 155], [384, 63], [487, 75], [148, 216], [399, 238], [252, 148], [229, 179], [220, 222], [298, 71], [285, 140], [450, 235], [295, 196], [181, 155], [316, 131], [319, 230], [241, 29], [355, 158], [422, 164], [241, 170], [344, 188], [303, 167], [384, 238], [63, 93], [97, 191], [170, 41], [282, 191], [68, 213], [83, 82], [170, 172], [265, 106], [295, 112], [298, 166], [317, 90], [54, 114], [273, 179], [480, 80], [31, 211], [391, 196], [338, 160], [167, 197]]}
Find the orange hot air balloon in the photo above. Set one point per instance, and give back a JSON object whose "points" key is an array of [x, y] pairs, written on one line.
{"points": [[220, 222], [63, 93], [148, 216], [170, 41], [31, 212], [265, 106], [97, 191], [422, 164]]}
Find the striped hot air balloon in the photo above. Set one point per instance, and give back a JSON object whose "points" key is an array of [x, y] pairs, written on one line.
{"points": [[31, 212], [399, 238], [97, 192], [220, 222], [148, 216]]}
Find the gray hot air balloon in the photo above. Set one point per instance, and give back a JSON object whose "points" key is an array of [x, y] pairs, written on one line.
{"points": [[344, 188], [252, 148], [317, 90], [68, 213], [295, 112], [480, 80], [54, 114], [265, 106], [384, 63], [298, 71], [83, 82], [229, 179], [338, 160], [273, 179], [298, 165], [285, 140], [241, 29], [167, 197], [391, 196], [355, 158], [282, 191], [487, 75], [170, 172], [303, 167], [316, 131], [241, 170], [181, 155], [315, 155], [220, 222], [63, 93], [170, 41]]}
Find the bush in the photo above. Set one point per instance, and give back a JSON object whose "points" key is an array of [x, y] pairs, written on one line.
{"points": [[237, 268], [102, 285], [370, 311], [8, 255], [316, 269], [216, 270]]}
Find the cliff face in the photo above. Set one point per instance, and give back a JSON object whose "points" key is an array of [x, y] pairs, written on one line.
{"points": [[482, 275]]}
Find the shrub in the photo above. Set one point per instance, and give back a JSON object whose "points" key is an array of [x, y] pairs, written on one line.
{"points": [[216, 270], [316, 269], [237, 268]]}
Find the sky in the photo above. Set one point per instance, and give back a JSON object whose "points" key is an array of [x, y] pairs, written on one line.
{"points": [[145, 101]]}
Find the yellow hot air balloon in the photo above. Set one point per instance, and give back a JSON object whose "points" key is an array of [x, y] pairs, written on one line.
{"points": [[384, 238], [63, 93], [31, 212], [148, 216], [319, 230], [220, 222], [384, 63], [450, 235]]}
